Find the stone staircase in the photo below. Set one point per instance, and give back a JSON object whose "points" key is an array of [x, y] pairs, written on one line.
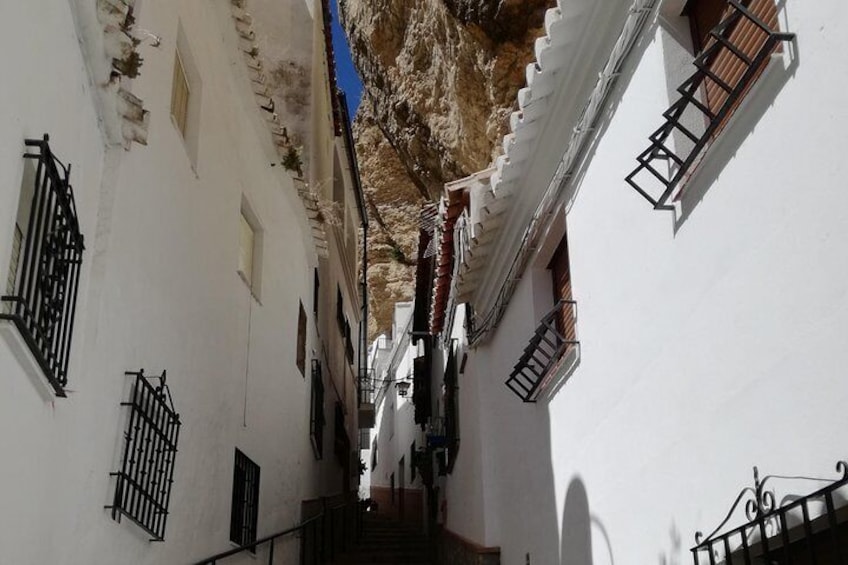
{"points": [[388, 542]]}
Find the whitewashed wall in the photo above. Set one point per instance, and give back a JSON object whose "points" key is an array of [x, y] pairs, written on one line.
{"points": [[709, 344], [159, 291], [395, 428]]}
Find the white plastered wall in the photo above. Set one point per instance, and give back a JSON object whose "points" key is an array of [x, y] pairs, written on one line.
{"points": [[159, 291]]}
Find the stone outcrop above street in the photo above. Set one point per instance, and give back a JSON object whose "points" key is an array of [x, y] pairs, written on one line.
{"points": [[440, 77]]}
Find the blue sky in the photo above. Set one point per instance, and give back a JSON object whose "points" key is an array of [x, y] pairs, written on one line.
{"points": [[346, 74]]}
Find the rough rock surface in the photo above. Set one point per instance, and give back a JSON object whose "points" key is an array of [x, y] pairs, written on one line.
{"points": [[440, 80]]}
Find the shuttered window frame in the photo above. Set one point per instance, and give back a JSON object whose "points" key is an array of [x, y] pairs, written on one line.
{"points": [[180, 95], [704, 16], [560, 268]]}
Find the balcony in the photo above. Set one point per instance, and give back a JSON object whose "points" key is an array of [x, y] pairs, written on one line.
{"points": [[367, 409], [551, 355]]}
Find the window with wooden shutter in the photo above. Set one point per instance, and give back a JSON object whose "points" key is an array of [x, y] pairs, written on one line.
{"points": [[553, 350], [744, 35], [561, 273], [735, 40]]}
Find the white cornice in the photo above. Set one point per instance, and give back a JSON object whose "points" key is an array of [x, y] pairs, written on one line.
{"points": [[104, 29], [548, 116]]}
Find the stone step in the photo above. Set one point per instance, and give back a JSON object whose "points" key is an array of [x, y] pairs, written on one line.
{"points": [[387, 542]]}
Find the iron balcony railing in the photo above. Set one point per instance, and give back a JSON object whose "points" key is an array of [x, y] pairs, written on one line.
{"points": [[367, 386], [45, 293], [805, 529], [660, 168], [143, 487], [322, 537], [553, 339]]}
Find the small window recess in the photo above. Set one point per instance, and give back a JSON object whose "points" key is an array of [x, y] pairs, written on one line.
{"points": [[186, 97], [251, 243], [244, 512], [301, 340]]}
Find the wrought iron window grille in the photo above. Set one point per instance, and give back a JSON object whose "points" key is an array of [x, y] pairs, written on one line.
{"points": [[543, 355], [317, 419], [244, 515], [43, 303], [808, 529], [660, 168], [143, 486]]}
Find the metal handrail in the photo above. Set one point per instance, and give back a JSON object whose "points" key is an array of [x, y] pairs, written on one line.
{"points": [[313, 522]]}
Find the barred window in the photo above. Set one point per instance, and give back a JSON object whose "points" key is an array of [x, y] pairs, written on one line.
{"points": [[245, 502], [44, 271], [143, 487]]}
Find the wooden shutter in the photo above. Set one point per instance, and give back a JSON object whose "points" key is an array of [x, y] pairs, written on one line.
{"points": [[704, 16], [179, 95], [561, 273]]}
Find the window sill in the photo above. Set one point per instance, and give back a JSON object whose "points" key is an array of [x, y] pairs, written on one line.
{"points": [[560, 374], [252, 555], [191, 162], [27, 361], [253, 294]]}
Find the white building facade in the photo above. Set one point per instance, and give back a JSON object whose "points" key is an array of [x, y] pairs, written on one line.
{"points": [[392, 457], [667, 341], [206, 156]]}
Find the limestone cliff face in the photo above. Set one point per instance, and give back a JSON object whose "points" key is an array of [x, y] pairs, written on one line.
{"points": [[440, 80]]}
